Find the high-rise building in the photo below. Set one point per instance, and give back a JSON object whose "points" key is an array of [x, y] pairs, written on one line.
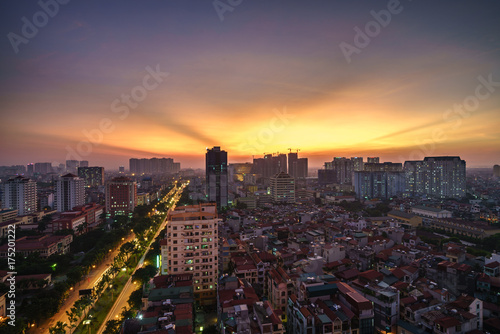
{"points": [[93, 176], [134, 166], [72, 165], [496, 170], [292, 158], [373, 160], [442, 177], [121, 169], [283, 188], [326, 177], [121, 196], [43, 167], [84, 163], [379, 184], [297, 167], [270, 165], [279, 163], [30, 169], [301, 167], [191, 246], [383, 167], [216, 176], [343, 168], [20, 193], [238, 171], [153, 166], [70, 192], [357, 164]]}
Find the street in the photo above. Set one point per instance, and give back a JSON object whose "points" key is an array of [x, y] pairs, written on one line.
{"points": [[121, 300], [87, 283], [94, 276]]}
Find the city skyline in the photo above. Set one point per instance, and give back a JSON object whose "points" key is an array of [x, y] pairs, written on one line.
{"points": [[258, 78]]}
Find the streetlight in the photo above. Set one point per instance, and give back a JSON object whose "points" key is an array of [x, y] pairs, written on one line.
{"points": [[87, 322], [111, 288]]}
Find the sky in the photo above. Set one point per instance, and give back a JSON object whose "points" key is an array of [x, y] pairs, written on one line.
{"points": [[107, 81]]}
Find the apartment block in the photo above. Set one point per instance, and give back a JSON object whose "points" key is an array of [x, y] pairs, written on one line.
{"points": [[191, 246]]}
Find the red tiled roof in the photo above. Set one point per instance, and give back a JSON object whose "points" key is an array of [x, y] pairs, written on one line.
{"points": [[408, 300], [494, 264], [348, 274], [448, 322], [398, 273], [371, 275]]}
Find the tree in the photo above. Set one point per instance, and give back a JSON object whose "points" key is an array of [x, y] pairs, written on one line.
{"points": [[81, 228], [114, 269], [119, 222], [135, 299], [74, 275], [86, 301], [42, 224], [73, 316], [212, 329], [127, 248], [59, 328], [127, 313], [241, 205], [112, 327], [144, 274]]}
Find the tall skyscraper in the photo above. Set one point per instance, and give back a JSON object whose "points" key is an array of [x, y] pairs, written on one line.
{"points": [[93, 176], [70, 192], [383, 167], [191, 246], [30, 169], [292, 158], [279, 163], [373, 160], [301, 167], [343, 169], [357, 164], [43, 167], [20, 193], [72, 165], [379, 184], [283, 188], [496, 170], [134, 166], [297, 167], [216, 176], [270, 165], [153, 166], [442, 177], [121, 196]]}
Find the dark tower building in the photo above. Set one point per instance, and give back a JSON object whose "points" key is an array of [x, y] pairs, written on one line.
{"points": [[292, 158], [93, 176], [216, 173], [442, 177]]}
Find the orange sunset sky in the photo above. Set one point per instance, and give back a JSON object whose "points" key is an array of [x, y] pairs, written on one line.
{"points": [[399, 97]]}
